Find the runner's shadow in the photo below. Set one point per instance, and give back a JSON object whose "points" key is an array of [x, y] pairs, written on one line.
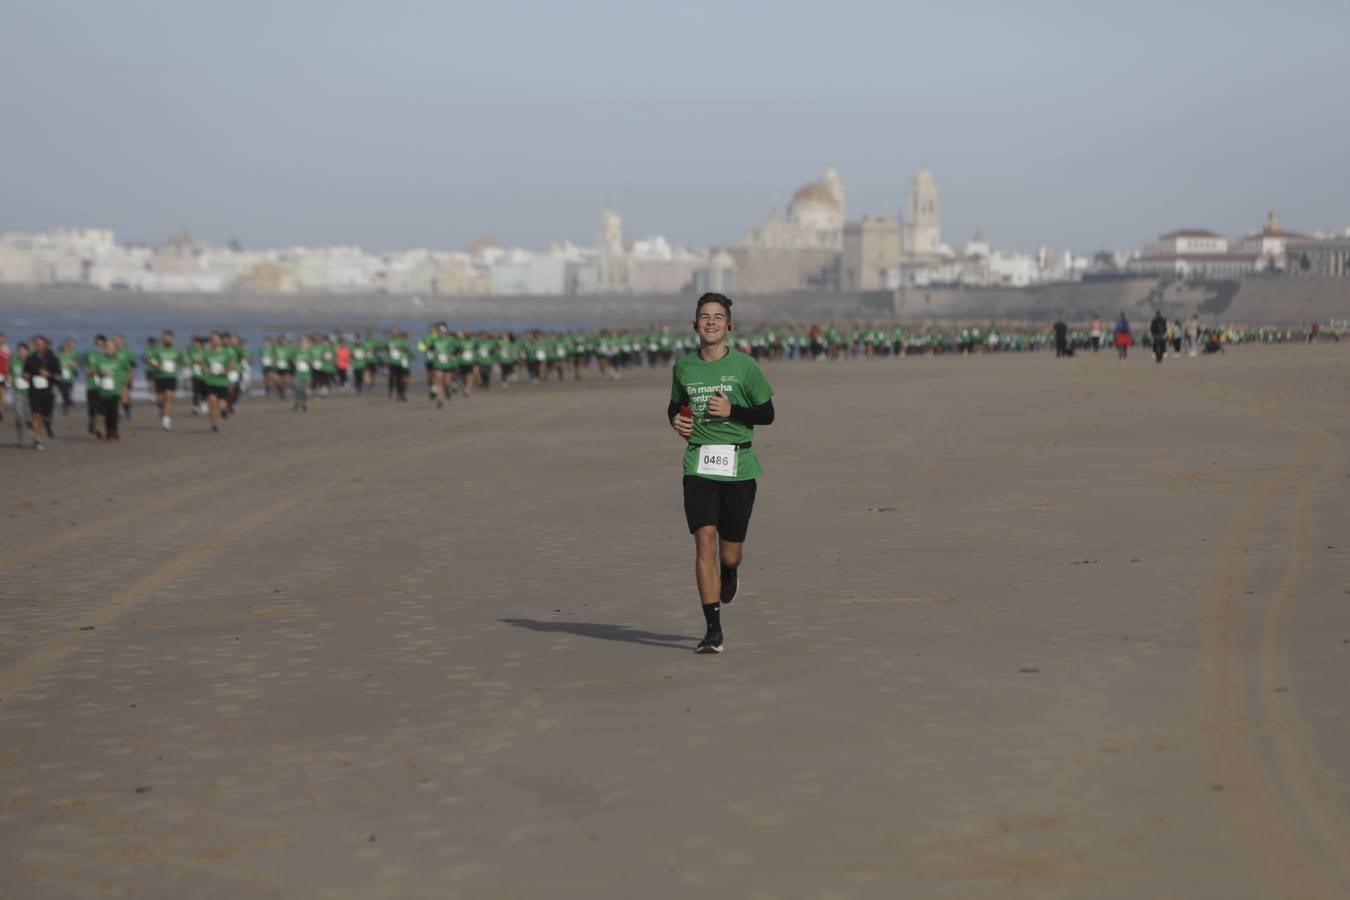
{"points": [[605, 632]]}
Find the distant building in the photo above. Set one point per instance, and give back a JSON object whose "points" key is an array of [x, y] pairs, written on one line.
{"points": [[718, 275], [923, 223], [1194, 253], [814, 220], [1269, 244], [764, 271], [872, 246], [520, 272], [1326, 258]]}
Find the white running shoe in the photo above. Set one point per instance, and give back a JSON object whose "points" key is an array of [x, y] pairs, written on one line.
{"points": [[165, 422]]}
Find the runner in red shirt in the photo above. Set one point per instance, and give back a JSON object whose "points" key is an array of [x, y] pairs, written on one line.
{"points": [[4, 373], [344, 362]]}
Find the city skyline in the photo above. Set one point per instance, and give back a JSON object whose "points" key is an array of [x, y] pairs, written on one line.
{"points": [[401, 126]]}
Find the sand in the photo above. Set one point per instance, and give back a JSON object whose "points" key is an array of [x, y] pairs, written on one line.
{"points": [[1010, 626]]}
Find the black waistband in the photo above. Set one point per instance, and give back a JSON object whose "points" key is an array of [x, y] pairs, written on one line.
{"points": [[746, 446]]}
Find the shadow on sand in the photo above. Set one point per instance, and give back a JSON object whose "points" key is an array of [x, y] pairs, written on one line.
{"points": [[606, 632]]}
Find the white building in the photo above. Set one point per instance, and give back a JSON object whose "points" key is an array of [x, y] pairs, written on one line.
{"points": [[814, 220], [922, 220], [1194, 253], [520, 272], [1269, 244]]}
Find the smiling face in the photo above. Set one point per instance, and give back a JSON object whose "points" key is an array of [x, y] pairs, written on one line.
{"points": [[712, 323]]}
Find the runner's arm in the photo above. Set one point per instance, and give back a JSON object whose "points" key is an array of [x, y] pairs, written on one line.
{"points": [[753, 415]]}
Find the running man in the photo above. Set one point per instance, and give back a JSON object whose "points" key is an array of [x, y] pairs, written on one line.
{"points": [[109, 378], [218, 361], [717, 396], [42, 370], [163, 362], [92, 398], [70, 363], [23, 413]]}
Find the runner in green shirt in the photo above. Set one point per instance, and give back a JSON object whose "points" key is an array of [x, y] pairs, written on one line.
{"points": [[163, 362], [442, 364], [717, 396], [283, 365], [70, 364], [23, 413], [110, 376], [93, 404], [218, 361], [303, 374], [126, 358], [400, 364]]}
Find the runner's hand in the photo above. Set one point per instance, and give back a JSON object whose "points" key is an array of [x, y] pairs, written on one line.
{"points": [[683, 427], [719, 407]]}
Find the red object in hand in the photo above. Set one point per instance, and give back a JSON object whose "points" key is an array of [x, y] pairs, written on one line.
{"points": [[686, 412]]}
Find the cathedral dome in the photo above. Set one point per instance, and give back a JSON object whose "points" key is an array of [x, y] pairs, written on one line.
{"points": [[813, 193]]}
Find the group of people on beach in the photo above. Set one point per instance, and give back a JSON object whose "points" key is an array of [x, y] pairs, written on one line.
{"points": [[216, 369]]}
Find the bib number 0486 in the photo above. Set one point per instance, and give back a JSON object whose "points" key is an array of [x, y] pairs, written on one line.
{"points": [[717, 459]]}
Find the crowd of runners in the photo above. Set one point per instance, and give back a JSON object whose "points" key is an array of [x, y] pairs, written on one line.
{"points": [[212, 372]]}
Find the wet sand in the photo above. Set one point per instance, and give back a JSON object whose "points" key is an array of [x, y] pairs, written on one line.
{"points": [[1010, 626]]}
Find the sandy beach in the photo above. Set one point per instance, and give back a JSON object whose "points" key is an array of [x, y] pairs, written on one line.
{"points": [[1009, 626]]}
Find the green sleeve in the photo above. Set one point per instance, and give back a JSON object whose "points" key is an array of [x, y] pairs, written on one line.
{"points": [[757, 388], [677, 394]]}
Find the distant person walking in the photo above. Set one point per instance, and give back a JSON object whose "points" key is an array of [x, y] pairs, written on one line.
{"points": [[1193, 334], [1061, 339], [1157, 330], [1122, 338], [1096, 333]]}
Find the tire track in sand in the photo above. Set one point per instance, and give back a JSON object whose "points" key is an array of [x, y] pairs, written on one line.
{"points": [[1271, 819]]}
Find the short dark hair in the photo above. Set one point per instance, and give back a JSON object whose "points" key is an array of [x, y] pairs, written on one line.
{"points": [[713, 297]]}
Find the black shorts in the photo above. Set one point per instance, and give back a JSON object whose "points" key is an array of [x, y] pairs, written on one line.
{"points": [[41, 402], [165, 384], [726, 504], [219, 391]]}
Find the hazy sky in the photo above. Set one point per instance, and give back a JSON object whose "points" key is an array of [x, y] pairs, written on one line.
{"points": [[392, 124]]}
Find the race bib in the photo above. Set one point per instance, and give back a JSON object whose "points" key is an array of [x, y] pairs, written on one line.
{"points": [[67, 374], [217, 368], [107, 383], [467, 356], [540, 355], [302, 366], [21, 383], [717, 459], [443, 358], [168, 365], [233, 376], [267, 361], [40, 383]]}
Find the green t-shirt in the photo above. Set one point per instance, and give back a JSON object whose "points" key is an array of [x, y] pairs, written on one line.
{"points": [[107, 373], [303, 358], [737, 375], [400, 353], [216, 365], [17, 379], [70, 361], [165, 362], [441, 351]]}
